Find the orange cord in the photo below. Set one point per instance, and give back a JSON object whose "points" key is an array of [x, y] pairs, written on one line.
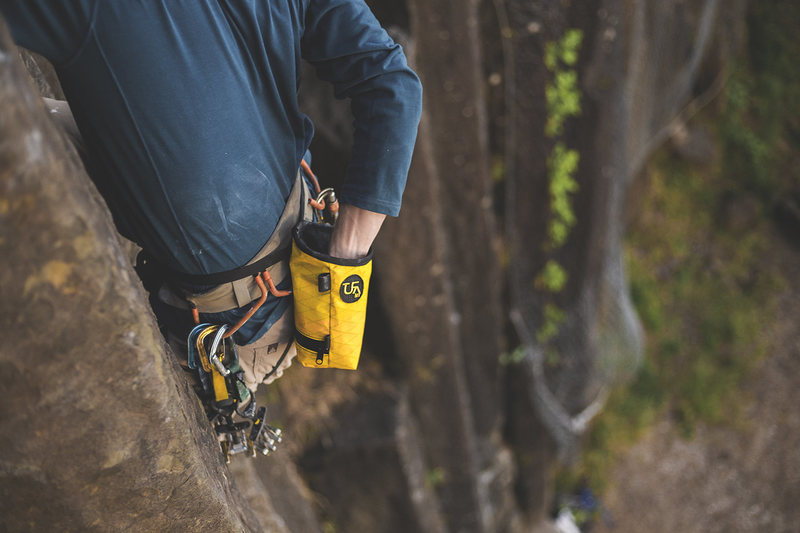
{"points": [[272, 289], [319, 206], [195, 314], [311, 175], [252, 310]]}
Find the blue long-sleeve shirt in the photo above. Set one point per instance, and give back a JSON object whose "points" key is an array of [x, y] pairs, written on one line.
{"points": [[188, 110]]}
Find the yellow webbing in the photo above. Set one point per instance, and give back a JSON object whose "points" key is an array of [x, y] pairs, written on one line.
{"points": [[220, 390]]}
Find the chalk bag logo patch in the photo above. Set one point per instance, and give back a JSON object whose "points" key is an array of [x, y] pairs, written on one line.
{"points": [[351, 289]]}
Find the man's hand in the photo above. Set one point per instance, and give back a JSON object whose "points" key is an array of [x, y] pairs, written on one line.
{"points": [[354, 231]]}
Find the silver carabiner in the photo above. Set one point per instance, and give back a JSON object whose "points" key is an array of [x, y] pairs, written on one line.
{"points": [[212, 353], [331, 212], [325, 192]]}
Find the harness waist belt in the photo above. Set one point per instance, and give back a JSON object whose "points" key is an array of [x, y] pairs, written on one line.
{"points": [[229, 276]]}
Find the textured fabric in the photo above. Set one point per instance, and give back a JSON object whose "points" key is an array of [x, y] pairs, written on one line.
{"points": [[330, 300], [243, 291], [267, 359], [189, 114]]}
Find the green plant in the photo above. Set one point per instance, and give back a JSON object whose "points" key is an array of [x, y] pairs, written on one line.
{"points": [[552, 278], [562, 94], [434, 477], [553, 317], [563, 101], [562, 165], [514, 357]]}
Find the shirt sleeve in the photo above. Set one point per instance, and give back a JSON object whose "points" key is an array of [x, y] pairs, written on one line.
{"points": [[348, 47], [56, 30]]}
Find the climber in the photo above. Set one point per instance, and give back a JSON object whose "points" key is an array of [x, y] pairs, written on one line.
{"points": [[191, 131]]}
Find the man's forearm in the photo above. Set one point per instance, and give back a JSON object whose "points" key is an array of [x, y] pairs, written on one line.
{"points": [[354, 232]]}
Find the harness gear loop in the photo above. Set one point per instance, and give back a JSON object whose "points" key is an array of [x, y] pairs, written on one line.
{"points": [[272, 290], [320, 204], [253, 308], [317, 204], [332, 204], [310, 174]]}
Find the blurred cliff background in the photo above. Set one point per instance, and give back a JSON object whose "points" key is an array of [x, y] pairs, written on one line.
{"points": [[587, 307]]}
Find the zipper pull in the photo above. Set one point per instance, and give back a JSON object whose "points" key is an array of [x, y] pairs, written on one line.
{"points": [[325, 349]]}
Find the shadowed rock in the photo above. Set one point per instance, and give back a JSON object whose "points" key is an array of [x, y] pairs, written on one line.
{"points": [[372, 471]]}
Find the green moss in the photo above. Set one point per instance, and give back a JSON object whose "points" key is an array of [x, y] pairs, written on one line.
{"points": [[562, 165], [563, 101], [516, 356], [553, 318], [552, 278], [562, 93], [761, 119]]}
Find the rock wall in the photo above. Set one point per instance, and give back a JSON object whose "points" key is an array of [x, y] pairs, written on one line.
{"points": [[639, 69], [96, 431]]}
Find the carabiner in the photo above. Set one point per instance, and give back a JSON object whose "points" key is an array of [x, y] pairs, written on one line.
{"points": [[329, 205], [212, 353]]}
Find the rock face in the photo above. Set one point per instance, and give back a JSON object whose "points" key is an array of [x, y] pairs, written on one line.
{"points": [[382, 444], [445, 310], [446, 317], [96, 430]]}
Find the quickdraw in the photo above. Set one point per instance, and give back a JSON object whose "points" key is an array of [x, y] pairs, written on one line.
{"points": [[213, 355]]}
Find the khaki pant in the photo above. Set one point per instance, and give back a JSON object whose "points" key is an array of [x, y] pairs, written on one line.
{"points": [[263, 361]]}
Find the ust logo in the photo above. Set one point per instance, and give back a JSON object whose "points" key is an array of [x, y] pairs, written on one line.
{"points": [[351, 289]]}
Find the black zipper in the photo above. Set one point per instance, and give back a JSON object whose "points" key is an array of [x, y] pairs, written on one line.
{"points": [[320, 347]]}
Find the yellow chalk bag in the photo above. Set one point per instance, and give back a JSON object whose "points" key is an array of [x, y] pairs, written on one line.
{"points": [[330, 299]]}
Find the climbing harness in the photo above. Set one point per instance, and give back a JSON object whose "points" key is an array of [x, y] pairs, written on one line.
{"points": [[334, 342]]}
